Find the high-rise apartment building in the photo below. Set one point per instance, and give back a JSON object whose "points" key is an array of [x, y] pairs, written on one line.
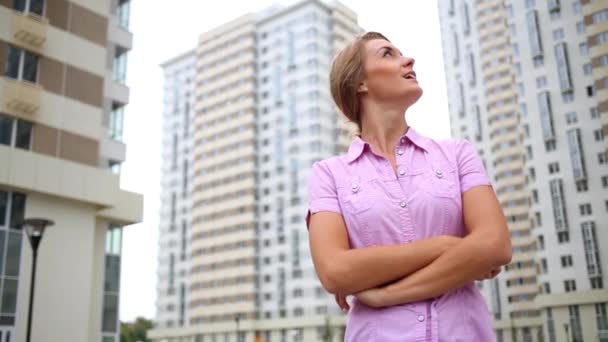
{"points": [[175, 219], [525, 84], [62, 99], [263, 114], [595, 19]]}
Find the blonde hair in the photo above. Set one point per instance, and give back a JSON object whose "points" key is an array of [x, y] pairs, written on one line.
{"points": [[347, 72]]}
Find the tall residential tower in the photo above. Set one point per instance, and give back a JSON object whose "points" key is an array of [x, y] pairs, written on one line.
{"points": [[175, 219], [525, 85], [262, 115]]}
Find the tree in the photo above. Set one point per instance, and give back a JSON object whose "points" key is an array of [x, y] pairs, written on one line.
{"points": [[136, 331]]}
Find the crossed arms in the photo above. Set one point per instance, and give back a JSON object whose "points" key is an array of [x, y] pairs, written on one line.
{"points": [[398, 274]]}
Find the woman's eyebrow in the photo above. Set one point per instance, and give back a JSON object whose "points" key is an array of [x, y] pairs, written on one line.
{"points": [[390, 49]]}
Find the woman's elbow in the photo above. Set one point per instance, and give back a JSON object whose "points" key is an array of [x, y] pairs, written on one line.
{"points": [[332, 277], [501, 251]]}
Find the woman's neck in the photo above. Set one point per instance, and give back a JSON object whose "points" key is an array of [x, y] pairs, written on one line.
{"points": [[383, 129]]}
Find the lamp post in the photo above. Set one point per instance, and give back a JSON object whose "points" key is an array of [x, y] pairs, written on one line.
{"points": [[34, 228]]}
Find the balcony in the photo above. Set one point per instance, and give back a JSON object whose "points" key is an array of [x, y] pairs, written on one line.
{"points": [[29, 30], [117, 34], [19, 97]]}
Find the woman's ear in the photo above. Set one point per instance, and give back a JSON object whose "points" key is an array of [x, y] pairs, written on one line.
{"points": [[362, 88]]}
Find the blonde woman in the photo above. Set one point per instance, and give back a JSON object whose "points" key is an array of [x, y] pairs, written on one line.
{"points": [[402, 222]]}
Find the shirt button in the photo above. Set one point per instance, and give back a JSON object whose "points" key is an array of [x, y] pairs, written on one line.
{"points": [[403, 140], [403, 204], [420, 318], [402, 172], [355, 187], [400, 152], [439, 173]]}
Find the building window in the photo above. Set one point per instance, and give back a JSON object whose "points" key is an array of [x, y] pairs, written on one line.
{"points": [[29, 6], [563, 237], [114, 166], [21, 65], [583, 49], [119, 65], [559, 206], [587, 69], [115, 124], [575, 323], [570, 285], [553, 168], [605, 181], [112, 279], [541, 82], [600, 16], [591, 248], [582, 186], [566, 261], [12, 210], [563, 67], [530, 4], [577, 158], [123, 12], [571, 118], [601, 318], [558, 34], [585, 209], [550, 325], [534, 34], [15, 132], [546, 116], [580, 27], [602, 158]]}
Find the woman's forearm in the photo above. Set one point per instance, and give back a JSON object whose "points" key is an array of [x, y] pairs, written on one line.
{"points": [[356, 270], [459, 265]]}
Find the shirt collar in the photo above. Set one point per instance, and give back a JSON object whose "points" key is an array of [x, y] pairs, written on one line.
{"points": [[358, 145]]}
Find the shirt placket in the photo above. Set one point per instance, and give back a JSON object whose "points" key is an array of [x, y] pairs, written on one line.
{"points": [[403, 157]]}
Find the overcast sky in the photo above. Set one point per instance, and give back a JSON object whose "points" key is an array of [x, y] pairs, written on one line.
{"points": [[164, 29]]}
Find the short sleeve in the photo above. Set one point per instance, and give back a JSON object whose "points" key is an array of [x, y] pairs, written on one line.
{"points": [[470, 168], [322, 193]]}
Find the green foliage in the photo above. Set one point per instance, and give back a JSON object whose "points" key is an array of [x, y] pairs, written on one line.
{"points": [[135, 332]]}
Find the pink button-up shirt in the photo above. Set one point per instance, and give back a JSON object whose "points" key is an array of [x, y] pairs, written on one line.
{"points": [[421, 200]]}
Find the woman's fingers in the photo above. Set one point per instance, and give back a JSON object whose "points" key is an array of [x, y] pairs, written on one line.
{"points": [[342, 303]]}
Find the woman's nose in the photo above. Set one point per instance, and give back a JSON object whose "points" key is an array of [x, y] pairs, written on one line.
{"points": [[407, 61]]}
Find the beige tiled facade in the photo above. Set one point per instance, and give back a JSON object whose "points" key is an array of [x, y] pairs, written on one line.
{"points": [[56, 152]]}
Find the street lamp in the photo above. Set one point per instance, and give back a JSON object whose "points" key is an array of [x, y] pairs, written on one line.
{"points": [[34, 228]]}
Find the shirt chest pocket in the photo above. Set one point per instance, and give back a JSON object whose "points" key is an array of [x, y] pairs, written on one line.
{"points": [[363, 205]]}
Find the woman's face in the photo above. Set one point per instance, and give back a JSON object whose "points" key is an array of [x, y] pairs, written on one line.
{"points": [[389, 76]]}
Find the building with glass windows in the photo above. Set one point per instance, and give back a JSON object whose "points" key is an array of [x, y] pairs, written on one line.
{"points": [[262, 115], [62, 99], [527, 84]]}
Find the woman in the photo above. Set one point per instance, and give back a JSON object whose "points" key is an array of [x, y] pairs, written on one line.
{"points": [[402, 222]]}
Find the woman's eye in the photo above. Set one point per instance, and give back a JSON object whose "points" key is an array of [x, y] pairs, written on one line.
{"points": [[386, 52]]}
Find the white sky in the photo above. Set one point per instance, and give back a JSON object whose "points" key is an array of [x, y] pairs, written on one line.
{"points": [[165, 29]]}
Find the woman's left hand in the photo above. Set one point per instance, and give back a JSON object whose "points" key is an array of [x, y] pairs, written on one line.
{"points": [[373, 297]]}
